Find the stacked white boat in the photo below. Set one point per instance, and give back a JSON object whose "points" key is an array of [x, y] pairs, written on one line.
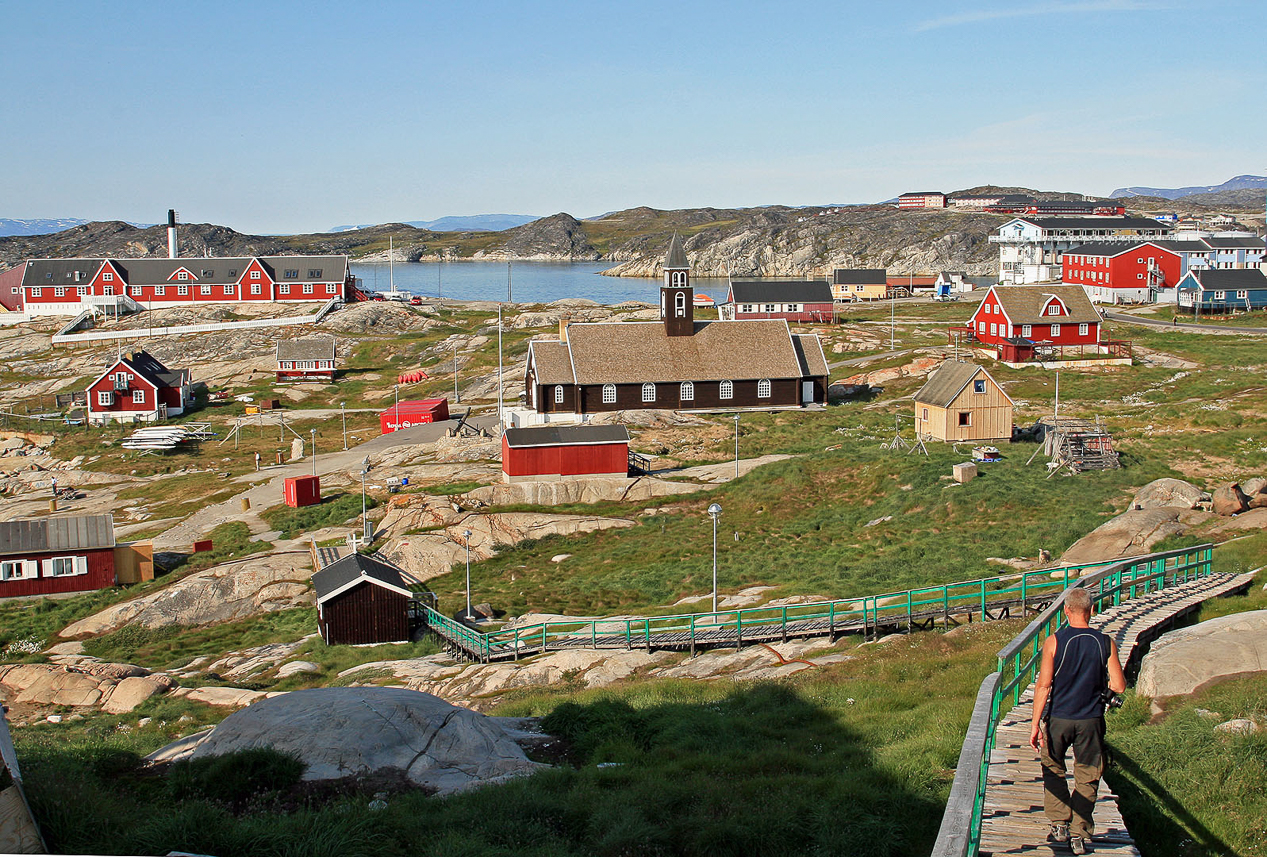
{"points": [[167, 438]]}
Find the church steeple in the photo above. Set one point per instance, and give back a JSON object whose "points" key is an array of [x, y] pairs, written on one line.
{"points": [[677, 298]]}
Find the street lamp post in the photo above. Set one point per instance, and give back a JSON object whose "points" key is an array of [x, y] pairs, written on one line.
{"points": [[368, 533], [466, 535], [313, 432], [343, 413], [736, 445], [457, 399], [714, 512]]}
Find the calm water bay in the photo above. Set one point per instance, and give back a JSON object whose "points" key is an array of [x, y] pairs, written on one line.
{"points": [[530, 282]]}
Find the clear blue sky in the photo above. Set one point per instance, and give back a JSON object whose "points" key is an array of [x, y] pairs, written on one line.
{"points": [[289, 117]]}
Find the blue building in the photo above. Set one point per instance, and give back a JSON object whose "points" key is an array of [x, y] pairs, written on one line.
{"points": [[1222, 290]]}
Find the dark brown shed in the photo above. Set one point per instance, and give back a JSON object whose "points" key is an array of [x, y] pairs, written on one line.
{"points": [[362, 599]]}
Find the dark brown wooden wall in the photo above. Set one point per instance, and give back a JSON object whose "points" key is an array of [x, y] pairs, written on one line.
{"points": [[366, 613]]}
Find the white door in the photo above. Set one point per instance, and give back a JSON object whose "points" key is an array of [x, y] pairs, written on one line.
{"points": [[807, 392]]}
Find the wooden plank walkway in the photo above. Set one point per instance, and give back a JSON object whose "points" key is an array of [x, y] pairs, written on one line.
{"points": [[1012, 820]]}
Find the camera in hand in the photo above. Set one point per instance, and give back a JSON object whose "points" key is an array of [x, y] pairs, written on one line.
{"points": [[1111, 699]]}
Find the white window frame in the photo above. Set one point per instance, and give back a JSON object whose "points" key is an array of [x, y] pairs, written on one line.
{"points": [[1083, 329], [64, 566], [284, 289], [18, 569], [59, 291], [648, 393], [307, 288], [1055, 330], [230, 289], [726, 390], [82, 291], [558, 394], [159, 291], [182, 275], [687, 392], [609, 394], [255, 275], [107, 290], [35, 291], [256, 289], [138, 397], [182, 290], [332, 288], [1053, 308], [105, 398], [763, 388], [204, 290], [1027, 331], [107, 277], [1220, 295], [1242, 294]]}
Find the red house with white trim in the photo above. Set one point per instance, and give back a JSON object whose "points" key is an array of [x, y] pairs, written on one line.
{"points": [[1043, 315], [562, 452], [138, 388], [1117, 273], [51, 555]]}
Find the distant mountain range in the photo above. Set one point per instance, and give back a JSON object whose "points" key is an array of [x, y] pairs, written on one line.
{"points": [[1237, 183], [44, 226], [463, 223]]}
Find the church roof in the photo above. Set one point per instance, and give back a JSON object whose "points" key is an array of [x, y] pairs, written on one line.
{"points": [[676, 257]]}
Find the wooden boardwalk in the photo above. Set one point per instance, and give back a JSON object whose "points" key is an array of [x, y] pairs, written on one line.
{"points": [[1012, 820]]}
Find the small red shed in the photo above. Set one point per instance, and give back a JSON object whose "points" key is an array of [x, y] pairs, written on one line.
{"points": [[416, 413], [302, 491], [560, 452]]}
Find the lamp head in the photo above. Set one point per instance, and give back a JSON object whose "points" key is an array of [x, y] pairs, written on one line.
{"points": [[714, 510], [467, 533]]}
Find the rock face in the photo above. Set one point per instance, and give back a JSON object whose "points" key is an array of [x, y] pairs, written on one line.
{"points": [[1129, 534], [1229, 500], [1165, 492], [915, 369], [230, 591], [1182, 661], [354, 731], [117, 688], [559, 491]]}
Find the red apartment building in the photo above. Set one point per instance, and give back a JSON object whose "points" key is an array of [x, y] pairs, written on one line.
{"points": [[1116, 273]]}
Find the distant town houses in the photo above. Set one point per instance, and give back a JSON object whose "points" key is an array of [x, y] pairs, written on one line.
{"points": [[138, 388], [1031, 249], [309, 359], [70, 286], [676, 362], [804, 301]]}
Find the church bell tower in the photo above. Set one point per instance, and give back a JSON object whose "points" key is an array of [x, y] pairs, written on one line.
{"points": [[677, 298]]}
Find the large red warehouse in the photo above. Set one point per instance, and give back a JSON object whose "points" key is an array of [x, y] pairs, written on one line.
{"points": [[70, 554], [407, 414], [560, 452]]}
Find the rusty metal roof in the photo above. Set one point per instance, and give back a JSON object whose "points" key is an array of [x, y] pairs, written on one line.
{"points": [[49, 535]]}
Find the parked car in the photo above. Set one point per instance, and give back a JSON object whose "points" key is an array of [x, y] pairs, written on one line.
{"points": [[415, 301]]}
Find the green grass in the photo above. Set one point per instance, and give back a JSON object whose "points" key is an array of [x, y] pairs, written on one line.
{"points": [[174, 646], [1188, 790], [330, 512], [229, 541]]}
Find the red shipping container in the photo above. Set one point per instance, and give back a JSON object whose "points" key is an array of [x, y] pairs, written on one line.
{"points": [[204, 545], [303, 491], [416, 413]]}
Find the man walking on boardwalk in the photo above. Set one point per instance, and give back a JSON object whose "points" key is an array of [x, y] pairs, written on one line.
{"points": [[1078, 663]]}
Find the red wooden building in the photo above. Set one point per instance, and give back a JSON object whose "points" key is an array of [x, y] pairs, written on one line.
{"points": [[922, 199], [416, 413], [362, 599], [11, 289], [51, 555], [562, 452], [1123, 273], [310, 359], [806, 301], [1044, 315], [301, 491], [138, 388]]}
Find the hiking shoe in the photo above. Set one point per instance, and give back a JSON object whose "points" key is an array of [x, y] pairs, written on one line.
{"points": [[1077, 845], [1059, 833]]}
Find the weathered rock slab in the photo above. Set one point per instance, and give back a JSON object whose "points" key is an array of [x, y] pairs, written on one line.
{"points": [[1182, 661], [1129, 534], [1228, 500], [355, 731], [1168, 492]]}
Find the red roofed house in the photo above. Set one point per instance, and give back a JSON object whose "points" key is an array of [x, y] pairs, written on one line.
{"points": [[1039, 315], [138, 388]]}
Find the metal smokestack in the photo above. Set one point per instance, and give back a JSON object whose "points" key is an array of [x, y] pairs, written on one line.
{"points": [[171, 233]]}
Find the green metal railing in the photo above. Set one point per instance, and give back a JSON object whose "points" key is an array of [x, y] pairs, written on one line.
{"points": [[1018, 661], [907, 608]]}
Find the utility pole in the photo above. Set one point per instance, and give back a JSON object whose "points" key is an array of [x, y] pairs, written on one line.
{"points": [[457, 399], [500, 415], [509, 297], [736, 444]]}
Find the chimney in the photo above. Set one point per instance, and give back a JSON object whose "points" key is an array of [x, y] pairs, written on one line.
{"points": [[563, 328], [171, 233]]}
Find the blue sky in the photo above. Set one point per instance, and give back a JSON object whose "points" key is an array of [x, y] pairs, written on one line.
{"points": [[291, 117]]}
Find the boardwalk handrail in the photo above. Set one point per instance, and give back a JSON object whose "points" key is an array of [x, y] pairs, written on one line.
{"points": [[910, 608], [960, 834]]}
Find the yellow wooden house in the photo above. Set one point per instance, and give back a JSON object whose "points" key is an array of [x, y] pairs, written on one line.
{"points": [[962, 403]]}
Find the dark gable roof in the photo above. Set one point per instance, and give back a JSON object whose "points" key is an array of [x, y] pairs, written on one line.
{"points": [[1228, 279], [313, 348], [642, 352], [553, 362], [781, 291], [676, 257], [1237, 242], [1106, 222], [856, 276], [809, 350], [921, 193], [1023, 304], [1182, 246], [160, 272], [526, 438], [47, 535], [1103, 248], [59, 272], [349, 569], [947, 382], [148, 366]]}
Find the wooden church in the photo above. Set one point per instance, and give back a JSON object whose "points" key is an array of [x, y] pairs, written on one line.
{"points": [[676, 362]]}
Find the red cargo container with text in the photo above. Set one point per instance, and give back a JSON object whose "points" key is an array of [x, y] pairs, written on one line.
{"points": [[415, 413], [303, 491]]}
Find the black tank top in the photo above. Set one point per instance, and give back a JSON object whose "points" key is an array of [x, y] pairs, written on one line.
{"points": [[1082, 656]]}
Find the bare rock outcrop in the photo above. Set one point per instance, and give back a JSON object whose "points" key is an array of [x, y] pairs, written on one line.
{"points": [[233, 590], [559, 491], [917, 368], [82, 682], [1130, 534], [356, 731], [1164, 492], [1184, 660], [1228, 500]]}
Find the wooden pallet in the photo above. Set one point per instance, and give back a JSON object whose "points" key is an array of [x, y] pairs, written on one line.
{"points": [[1013, 821]]}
